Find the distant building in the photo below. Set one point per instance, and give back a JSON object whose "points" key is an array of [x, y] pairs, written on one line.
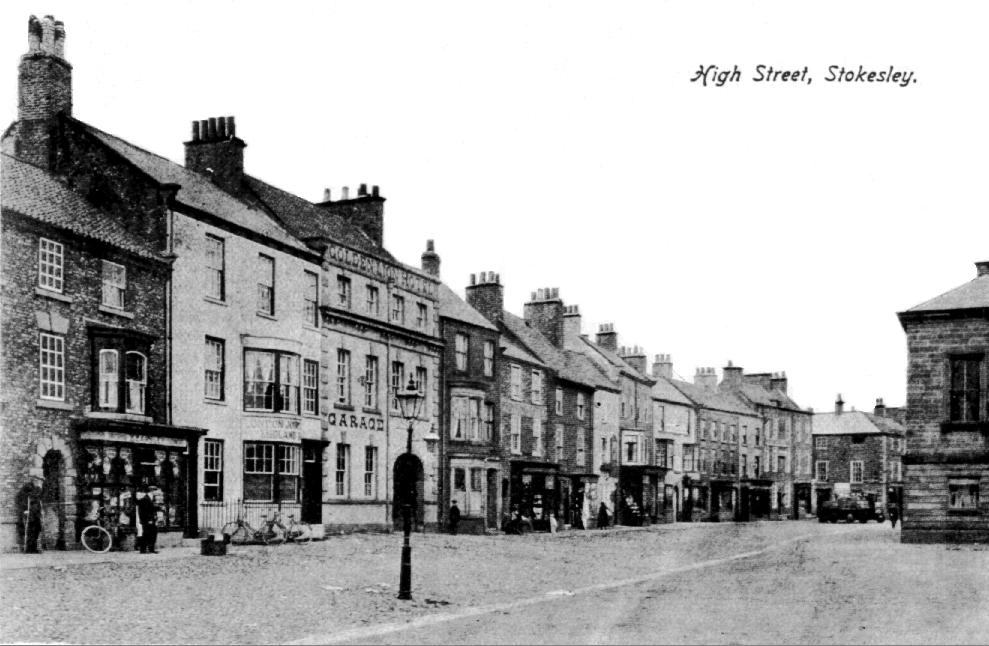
{"points": [[947, 459], [858, 452], [675, 429]]}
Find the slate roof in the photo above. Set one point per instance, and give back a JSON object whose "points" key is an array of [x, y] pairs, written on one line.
{"points": [[759, 395], [855, 423], [35, 193], [569, 368], [973, 294], [198, 191], [453, 307], [308, 221], [666, 391], [514, 350], [722, 401], [616, 361]]}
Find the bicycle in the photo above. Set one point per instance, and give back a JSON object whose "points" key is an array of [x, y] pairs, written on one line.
{"points": [[295, 531], [99, 537], [241, 532]]}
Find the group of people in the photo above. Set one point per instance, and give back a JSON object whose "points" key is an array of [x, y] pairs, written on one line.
{"points": [[517, 522]]}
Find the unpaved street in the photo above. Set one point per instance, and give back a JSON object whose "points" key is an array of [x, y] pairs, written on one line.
{"points": [[772, 582]]}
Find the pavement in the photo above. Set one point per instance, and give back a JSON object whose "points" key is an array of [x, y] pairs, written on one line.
{"points": [[766, 582]]}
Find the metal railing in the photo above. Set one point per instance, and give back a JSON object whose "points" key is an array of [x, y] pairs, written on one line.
{"points": [[214, 515]]}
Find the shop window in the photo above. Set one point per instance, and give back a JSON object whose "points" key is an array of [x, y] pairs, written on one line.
{"points": [[114, 284], [271, 472], [460, 479], [213, 470], [271, 381], [51, 366], [50, 265], [113, 473], [963, 493]]}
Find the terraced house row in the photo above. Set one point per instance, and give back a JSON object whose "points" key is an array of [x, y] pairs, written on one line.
{"points": [[238, 349]]}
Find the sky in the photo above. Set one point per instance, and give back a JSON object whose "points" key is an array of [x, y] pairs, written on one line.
{"points": [[780, 226]]}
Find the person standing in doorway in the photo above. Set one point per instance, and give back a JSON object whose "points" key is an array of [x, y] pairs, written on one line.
{"points": [[147, 523], [602, 516], [454, 517]]}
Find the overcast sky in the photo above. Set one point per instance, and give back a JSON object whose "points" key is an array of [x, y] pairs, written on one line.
{"points": [[562, 144]]}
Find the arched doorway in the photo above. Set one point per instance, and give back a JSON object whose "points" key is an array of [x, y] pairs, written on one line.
{"points": [[409, 479], [52, 497]]}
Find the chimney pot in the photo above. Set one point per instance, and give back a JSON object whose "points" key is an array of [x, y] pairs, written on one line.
{"points": [[346, 193], [982, 268], [221, 128], [326, 195], [48, 34], [497, 279], [212, 128], [59, 39], [195, 131], [430, 246], [231, 129], [362, 190], [34, 35], [473, 279]]}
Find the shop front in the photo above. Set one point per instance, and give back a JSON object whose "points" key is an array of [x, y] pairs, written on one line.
{"points": [[116, 459], [535, 491], [642, 494], [756, 499]]}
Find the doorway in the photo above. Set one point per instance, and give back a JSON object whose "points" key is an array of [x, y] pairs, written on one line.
{"points": [[409, 487], [312, 483]]}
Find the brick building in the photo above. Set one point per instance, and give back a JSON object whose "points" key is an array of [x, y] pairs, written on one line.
{"points": [[860, 453], [86, 352], [675, 432], [947, 418], [470, 450], [786, 449]]}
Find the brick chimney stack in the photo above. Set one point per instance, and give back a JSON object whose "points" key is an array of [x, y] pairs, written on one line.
{"points": [[431, 260], [662, 366], [216, 152], [571, 327], [707, 378], [544, 312], [607, 338], [486, 295], [778, 382], [839, 405], [44, 91], [365, 212], [880, 409], [982, 268], [635, 356], [731, 376]]}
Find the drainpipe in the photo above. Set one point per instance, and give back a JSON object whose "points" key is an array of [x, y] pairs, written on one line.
{"points": [[387, 469]]}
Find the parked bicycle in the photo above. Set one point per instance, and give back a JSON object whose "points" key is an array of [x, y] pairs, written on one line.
{"points": [[294, 531], [100, 536], [242, 532]]}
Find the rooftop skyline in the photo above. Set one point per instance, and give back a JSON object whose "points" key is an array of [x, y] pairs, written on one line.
{"points": [[780, 227]]}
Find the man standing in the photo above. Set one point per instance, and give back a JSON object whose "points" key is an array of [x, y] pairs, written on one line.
{"points": [[147, 525], [454, 517]]}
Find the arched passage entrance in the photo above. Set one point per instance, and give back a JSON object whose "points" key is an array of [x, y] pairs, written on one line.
{"points": [[53, 497], [409, 479]]}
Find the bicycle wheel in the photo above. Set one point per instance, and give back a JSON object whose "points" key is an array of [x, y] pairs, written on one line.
{"points": [[239, 534], [301, 533], [96, 539]]}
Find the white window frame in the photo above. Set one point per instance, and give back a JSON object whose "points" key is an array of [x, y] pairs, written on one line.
{"points": [[343, 377], [371, 382], [51, 367], [51, 265], [537, 386], [516, 382], [516, 433], [213, 463], [310, 387], [341, 475], [371, 472], [488, 359], [422, 315], [461, 350], [559, 401], [373, 300], [820, 442], [136, 387], [343, 291], [559, 442], [851, 472], [114, 286], [214, 367], [215, 269], [266, 285], [397, 382], [398, 309], [537, 437], [109, 379], [310, 306]]}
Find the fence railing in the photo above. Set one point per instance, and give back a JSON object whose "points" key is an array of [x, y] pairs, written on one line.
{"points": [[214, 515]]}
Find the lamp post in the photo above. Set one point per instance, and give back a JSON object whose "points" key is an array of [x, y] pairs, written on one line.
{"points": [[409, 401]]}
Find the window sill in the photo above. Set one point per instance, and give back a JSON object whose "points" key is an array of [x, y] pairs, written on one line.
{"points": [[255, 412], [215, 301], [55, 296], [311, 328], [54, 404], [265, 315], [130, 417], [371, 411], [106, 309], [215, 402], [343, 407]]}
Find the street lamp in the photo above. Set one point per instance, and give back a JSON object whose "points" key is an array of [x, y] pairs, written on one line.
{"points": [[409, 401]]}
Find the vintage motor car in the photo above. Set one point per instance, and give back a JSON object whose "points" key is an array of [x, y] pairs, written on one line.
{"points": [[850, 508]]}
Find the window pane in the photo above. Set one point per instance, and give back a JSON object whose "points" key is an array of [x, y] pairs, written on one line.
{"points": [[259, 380]]}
